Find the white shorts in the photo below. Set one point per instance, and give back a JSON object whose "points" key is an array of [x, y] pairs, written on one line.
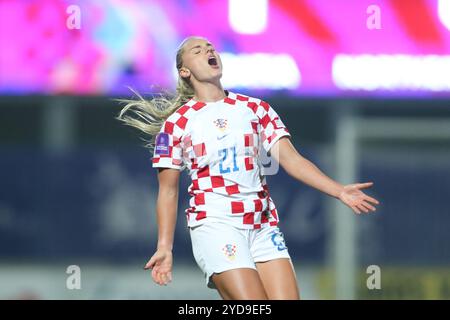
{"points": [[219, 247]]}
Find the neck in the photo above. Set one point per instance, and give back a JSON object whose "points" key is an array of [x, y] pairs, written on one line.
{"points": [[209, 92]]}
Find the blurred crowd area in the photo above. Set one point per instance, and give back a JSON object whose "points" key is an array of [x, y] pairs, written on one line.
{"points": [[78, 189], [363, 88]]}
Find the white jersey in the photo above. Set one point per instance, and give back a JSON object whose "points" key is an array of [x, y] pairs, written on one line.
{"points": [[218, 142]]}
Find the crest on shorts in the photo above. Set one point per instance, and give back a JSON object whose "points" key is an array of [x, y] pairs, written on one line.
{"points": [[230, 251], [221, 124], [278, 240]]}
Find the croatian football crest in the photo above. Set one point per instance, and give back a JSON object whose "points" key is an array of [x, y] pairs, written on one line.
{"points": [[230, 251], [278, 240], [162, 143], [221, 124]]}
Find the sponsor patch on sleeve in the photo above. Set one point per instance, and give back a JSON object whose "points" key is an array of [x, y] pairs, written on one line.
{"points": [[162, 143]]}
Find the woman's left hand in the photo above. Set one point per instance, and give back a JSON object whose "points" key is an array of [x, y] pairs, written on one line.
{"points": [[358, 201]]}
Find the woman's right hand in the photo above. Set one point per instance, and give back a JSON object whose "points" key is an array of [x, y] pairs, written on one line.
{"points": [[161, 265]]}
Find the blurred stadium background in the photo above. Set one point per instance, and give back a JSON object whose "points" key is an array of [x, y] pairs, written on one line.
{"points": [[363, 86]]}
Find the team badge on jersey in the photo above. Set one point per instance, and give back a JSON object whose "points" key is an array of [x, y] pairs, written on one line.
{"points": [[221, 124], [230, 251], [162, 143]]}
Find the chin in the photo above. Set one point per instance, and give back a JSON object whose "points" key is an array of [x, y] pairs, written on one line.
{"points": [[215, 76]]}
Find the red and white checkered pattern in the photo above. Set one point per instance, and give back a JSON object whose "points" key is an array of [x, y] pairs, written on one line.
{"points": [[229, 187]]}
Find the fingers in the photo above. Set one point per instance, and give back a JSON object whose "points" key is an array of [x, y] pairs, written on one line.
{"points": [[362, 204], [161, 277], [150, 264], [157, 276], [364, 185], [355, 209], [363, 207], [373, 200], [164, 279], [161, 271], [154, 275], [368, 206]]}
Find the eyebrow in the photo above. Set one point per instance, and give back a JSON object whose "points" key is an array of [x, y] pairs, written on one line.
{"points": [[199, 46]]}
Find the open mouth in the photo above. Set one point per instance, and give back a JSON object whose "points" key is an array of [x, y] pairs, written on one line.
{"points": [[212, 61]]}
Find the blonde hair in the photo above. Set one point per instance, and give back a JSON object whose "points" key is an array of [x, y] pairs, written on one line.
{"points": [[149, 115]]}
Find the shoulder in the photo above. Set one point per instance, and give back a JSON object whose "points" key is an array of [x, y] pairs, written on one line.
{"points": [[257, 105], [183, 114], [243, 98]]}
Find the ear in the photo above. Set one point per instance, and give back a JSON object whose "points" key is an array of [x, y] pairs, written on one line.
{"points": [[185, 73]]}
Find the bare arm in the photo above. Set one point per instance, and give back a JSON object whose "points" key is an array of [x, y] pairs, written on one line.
{"points": [[167, 206], [166, 215], [305, 171], [302, 169]]}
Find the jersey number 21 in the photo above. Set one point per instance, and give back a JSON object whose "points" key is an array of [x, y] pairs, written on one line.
{"points": [[224, 154]]}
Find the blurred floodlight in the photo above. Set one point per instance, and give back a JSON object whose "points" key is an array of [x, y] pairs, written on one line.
{"points": [[392, 72], [260, 71], [248, 16], [444, 12]]}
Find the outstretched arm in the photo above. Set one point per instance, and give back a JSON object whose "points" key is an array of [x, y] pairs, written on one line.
{"points": [[305, 171], [166, 213]]}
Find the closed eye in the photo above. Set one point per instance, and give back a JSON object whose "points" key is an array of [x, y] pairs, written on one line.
{"points": [[198, 48]]}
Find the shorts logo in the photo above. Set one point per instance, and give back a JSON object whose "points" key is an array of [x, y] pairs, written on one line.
{"points": [[278, 240], [230, 251], [162, 143]]}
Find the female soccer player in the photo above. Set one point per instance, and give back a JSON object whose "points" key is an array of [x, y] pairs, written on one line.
{"points": [[232, 220]]}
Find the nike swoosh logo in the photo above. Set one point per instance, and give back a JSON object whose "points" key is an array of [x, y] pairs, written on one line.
{"points": [[220, 138]]}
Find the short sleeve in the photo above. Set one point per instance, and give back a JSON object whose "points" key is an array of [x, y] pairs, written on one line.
{"points": [[168, 151], [272, 128]]}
